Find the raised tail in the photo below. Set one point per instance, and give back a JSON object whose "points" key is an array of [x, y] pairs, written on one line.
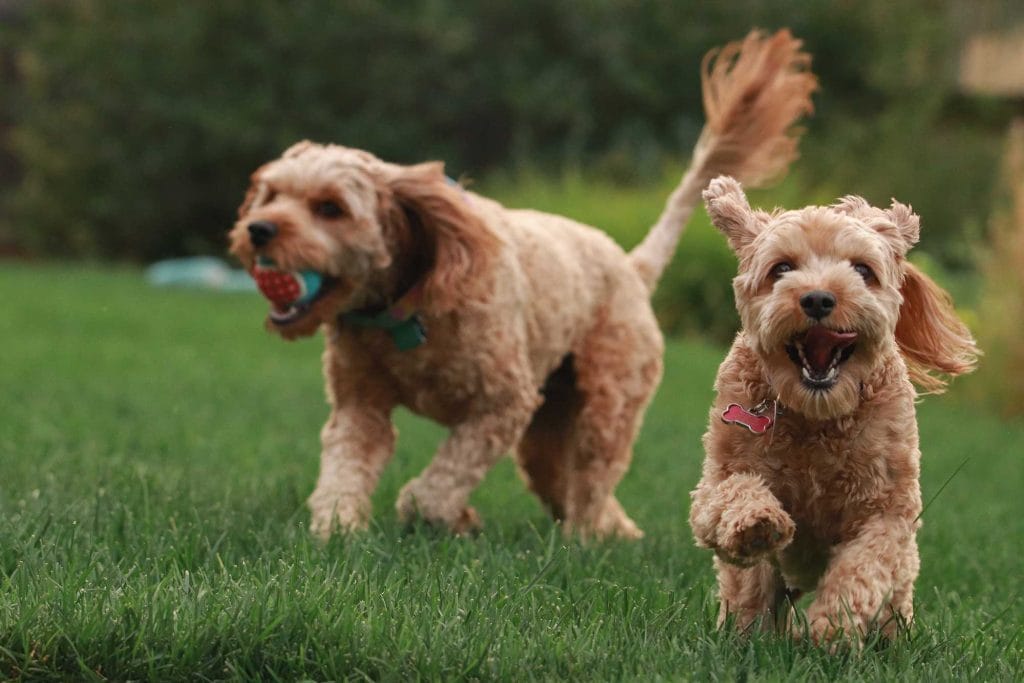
{"points": [[754, 90]]}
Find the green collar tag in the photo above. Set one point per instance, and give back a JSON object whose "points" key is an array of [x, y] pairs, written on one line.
{"points": [[409, 334], [401, 321]]}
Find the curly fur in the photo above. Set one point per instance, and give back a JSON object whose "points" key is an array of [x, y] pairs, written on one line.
{"points": [[828, 500], [540, 336]]}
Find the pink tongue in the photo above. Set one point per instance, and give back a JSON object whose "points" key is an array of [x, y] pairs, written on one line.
{"points": [[821, 344]]}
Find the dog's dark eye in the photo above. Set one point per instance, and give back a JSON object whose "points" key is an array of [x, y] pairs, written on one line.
{"points": [[864, 271], [780, 269], [327, 209]]}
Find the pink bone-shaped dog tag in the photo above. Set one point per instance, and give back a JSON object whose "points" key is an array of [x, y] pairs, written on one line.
{"points": [[738, 415]]}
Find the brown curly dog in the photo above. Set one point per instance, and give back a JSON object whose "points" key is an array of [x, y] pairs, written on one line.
{"points": [[517, 330], [811, 476]]}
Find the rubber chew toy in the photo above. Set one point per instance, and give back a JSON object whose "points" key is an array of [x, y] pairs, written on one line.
{"points": [[285, 288]]}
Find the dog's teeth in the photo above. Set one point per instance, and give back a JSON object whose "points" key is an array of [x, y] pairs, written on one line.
{"points": [[806, 373], [832, 373], [284, 315]]}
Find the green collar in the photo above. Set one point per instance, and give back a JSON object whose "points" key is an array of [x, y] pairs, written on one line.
{"points": [[401, 320]]}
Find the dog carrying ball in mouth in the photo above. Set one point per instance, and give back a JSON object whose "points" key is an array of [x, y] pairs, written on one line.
{"points": [[289, 292], [519, 331], [823, 495]]}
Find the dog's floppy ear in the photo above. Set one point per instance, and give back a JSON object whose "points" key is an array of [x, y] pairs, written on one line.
{"points": [[907, 223], [297, 149], [898, 224], [462, 245], [730, 212], [929, 334]]}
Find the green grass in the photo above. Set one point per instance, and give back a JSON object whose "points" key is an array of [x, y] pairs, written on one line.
{"points": [[156, 448]]}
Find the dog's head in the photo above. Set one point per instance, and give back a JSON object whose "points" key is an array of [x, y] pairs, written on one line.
{"points": [[368, 230], [826, 293]]}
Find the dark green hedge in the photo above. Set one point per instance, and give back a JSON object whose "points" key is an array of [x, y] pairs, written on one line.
{"points": [[136, 124]]}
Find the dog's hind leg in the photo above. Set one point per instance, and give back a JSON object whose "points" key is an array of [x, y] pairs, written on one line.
{"points": [[618, 367], [543, 452]]}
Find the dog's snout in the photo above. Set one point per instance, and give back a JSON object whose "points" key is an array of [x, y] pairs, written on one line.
{"points": [[261, 232], [818, 304]]}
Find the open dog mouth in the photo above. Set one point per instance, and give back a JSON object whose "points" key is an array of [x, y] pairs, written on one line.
{"points": [[291, 293], [819, 353], [284, 315]]}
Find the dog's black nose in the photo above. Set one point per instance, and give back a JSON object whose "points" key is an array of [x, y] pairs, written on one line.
{"points": [[261, 232], [818, 304]]}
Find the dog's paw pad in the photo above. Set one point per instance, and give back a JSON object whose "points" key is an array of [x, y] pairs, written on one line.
{"points": [[750, 538], [759, 537]]}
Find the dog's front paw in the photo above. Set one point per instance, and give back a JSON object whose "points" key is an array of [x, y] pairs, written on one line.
{"points": [[415, 501], [752, 532], [331, 512], [834, 634]]}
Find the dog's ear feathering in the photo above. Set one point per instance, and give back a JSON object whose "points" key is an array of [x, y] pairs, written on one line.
{"points": [[730, 212], [298, 148], [935, 343], [462, 245], [906, 221], [898, 224]]}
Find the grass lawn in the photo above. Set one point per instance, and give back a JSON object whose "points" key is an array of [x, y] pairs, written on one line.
{"points": [[156, 448]]}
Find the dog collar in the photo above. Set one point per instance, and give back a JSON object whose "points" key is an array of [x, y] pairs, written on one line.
{"points": [[758, 419], [401, 320]]}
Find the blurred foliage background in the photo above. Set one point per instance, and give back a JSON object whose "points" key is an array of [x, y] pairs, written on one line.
{"points": [[128, 129]]}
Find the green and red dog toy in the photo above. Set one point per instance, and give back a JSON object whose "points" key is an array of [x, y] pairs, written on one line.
{"points": [[291, 292]]}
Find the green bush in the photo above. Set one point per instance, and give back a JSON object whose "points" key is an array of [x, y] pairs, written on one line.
{"points": [[1001, 312], [135, 125]]}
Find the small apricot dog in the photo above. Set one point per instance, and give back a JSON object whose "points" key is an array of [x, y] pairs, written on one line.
{"points": [[515, 329], [811, 477]]}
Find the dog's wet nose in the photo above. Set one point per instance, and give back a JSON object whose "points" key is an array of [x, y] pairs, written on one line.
{"points": [[818, 304], [261, 232]]}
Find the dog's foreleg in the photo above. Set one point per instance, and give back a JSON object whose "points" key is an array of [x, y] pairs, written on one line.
{"points": [[357, 444], [440, 495], [744, 523], [753, 597], [868, 583], [739, 518]]}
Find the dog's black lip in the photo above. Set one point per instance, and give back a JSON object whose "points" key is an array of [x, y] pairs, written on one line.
{"points": [[303, 309]]}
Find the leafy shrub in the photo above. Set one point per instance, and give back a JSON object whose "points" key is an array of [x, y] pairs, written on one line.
{"points": [[135, 125], [1001, 316]]}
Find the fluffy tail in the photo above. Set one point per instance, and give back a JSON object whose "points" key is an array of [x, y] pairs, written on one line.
{"points": [[754, 90]]}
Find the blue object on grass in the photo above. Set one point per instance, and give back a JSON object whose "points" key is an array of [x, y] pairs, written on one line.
{"points": [[203, 272]]}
